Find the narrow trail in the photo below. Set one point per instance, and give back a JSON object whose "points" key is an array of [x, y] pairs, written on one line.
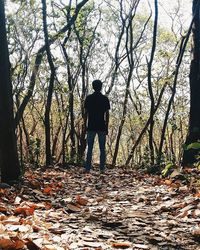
{"points": [[121, 209]]}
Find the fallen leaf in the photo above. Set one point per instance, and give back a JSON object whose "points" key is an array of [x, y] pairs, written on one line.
{"points": [[17, 200], [31, 245], [168, 182], [2, 229], [47, 190], [81, 201], [139, 214], [73, 208], [19, 244], [121, 244], [196, 232], [24, 210], [99, 199], [3, 209], [88, 189], [6, 243], [197, 194]]}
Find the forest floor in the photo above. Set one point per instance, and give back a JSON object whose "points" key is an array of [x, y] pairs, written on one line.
{"points": [[121, 209]]}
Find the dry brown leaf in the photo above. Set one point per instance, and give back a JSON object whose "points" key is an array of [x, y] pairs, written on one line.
{"points": [[73, 208], [47, 190], [197, 194], [13, 220], [88, 189], [2, 229], [183, 214], [24, 210], [19, 244], [6, 243], [168, 182], [3, 209], [60, 185], [99, 199], [196, 232], [3, 217], [158, 198], [121, 244], [2, 191], [81, 201]]}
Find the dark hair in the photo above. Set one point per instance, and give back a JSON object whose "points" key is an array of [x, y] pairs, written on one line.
{"points": [[97, 85]]}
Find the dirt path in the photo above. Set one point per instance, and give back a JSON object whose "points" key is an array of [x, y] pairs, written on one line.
{"points": [[66, 209]]}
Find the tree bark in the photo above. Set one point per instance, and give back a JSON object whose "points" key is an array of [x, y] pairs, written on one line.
{"points": [[49, 159], [151, 147], [9, 162], [189, 156]]}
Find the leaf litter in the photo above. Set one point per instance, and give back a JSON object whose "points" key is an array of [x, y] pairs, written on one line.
{"points": [[60, 209]]}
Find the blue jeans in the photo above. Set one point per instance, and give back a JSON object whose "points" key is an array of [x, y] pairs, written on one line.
{"points": [[90, 143]]}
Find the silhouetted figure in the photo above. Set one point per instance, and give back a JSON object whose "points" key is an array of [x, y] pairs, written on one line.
{"points": [[97, 110]]}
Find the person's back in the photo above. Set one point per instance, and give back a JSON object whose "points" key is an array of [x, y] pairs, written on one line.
{"points": [[96, 105], [97, 110]]}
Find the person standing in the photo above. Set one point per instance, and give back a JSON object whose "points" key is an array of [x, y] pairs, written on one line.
{"points": [[97, 108]]}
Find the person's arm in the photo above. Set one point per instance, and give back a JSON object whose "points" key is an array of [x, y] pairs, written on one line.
{"points": [[85, 118], [107, 116]]}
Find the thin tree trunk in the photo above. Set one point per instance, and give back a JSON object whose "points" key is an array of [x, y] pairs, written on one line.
{"points": [[9, 162], [55, 141], [49, 159], [71, 101], [151, 147], [145, 128], [129, 50]]}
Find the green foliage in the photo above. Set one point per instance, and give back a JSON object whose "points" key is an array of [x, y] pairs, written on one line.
{"points": [[167, 168], [166, 36], [32, 2], [194, 145], [84, 25]]}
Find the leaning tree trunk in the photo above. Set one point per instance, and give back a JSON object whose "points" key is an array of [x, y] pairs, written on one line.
{"points": [[9, 163], [189, 156]]}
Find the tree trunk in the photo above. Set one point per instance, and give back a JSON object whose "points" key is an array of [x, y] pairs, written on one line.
{"points": [[189, 156], [152, 112], [49, 159], [9, 163], [131, 154], [71, 86]]}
